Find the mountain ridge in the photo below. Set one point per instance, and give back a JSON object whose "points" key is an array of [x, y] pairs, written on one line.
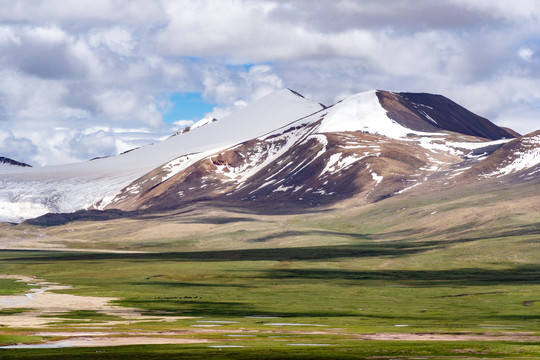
{"points": [[282, 151], [322, 172]]}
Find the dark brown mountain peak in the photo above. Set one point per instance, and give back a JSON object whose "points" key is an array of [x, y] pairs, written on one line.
{"points": [[432, 113]]}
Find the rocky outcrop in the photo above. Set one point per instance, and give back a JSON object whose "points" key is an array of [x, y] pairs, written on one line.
{"points": [[8, 161]]}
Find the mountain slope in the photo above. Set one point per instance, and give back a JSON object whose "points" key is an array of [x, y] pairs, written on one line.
{"points": [[428, 112], [350, 150], [519, 158], [78, 186], [281, 152]]}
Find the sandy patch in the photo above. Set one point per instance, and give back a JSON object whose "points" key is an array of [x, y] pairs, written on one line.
{"points": [[44, 302]]}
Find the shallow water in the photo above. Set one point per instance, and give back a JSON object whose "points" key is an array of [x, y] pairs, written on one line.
{"points": [[57, 344]]}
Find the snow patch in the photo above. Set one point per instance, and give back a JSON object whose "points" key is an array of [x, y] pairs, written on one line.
{"points": [[18, 211], [337, 163], [202, 122], [477, 145], [283, 188], [525, 159], [427, 116], [376, 177], [263, 155]]}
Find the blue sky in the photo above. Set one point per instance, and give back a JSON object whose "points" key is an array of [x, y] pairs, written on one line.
{"points": [[186, 106], [87, 78]]}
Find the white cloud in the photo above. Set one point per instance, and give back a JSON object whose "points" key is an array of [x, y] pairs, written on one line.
{"points": [[117, 104], [149, 114], [83, 55], [83, 12], [8, 36], [116, 39], [526, 53], [92, 67], [14, 147], [183, 123], [93, 145], [237, 89], [260, 81], [47, 34]]}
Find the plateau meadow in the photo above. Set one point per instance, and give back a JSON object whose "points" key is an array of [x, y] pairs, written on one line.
{"points": [[437, 275]]}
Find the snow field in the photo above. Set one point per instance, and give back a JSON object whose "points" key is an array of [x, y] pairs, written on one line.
{"points": [[30, 192], [279, 121]]}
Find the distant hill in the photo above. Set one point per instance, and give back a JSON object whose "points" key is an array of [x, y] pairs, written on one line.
{"points": [[8, 161]]}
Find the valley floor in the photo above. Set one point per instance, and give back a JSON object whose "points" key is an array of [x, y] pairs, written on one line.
{"points": [[417, 278]]}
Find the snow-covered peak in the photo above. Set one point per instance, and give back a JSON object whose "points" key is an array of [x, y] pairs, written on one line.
{"points": [[262, 116], [198, 124], [275, 123], [71, 187], [202, 122], [362, 112]]}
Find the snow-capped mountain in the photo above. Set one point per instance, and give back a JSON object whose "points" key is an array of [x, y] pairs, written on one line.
{"points": [[428, 112], [370, 146], [283, 150], [27, 193]]}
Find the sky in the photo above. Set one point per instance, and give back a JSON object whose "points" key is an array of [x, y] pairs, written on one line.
{"points": [[88, 78]]}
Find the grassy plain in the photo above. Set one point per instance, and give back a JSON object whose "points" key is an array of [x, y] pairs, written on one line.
{"points": [[360, 281], [9, 287]]}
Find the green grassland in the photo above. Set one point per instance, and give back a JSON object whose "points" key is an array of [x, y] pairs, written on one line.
{"points": [[272, 350], [462, 262], [9, 287]]}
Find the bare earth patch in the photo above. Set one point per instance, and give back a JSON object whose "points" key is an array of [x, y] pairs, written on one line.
{"points": [[43, 302]]}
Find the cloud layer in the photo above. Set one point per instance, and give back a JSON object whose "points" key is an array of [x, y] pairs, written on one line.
{"points": [[91, 78]]}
